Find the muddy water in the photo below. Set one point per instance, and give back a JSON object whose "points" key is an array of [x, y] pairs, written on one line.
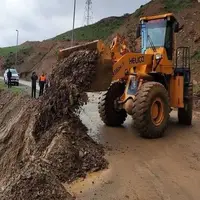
{"points": [[167, 168]]}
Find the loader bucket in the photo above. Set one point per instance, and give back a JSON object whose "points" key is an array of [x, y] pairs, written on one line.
{"points": [[63, 53], [104, 67]]}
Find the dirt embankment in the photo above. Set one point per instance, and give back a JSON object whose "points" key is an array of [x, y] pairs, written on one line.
{"points": [[36, 56], [44, 143]]}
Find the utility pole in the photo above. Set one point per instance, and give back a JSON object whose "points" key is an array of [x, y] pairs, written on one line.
{"points": [[16, 47], [74, 14]]}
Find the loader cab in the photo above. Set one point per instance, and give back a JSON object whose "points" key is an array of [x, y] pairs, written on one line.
{"points": [[158, 32]]}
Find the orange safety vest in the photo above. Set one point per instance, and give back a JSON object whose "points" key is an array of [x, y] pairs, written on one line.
{"points": [[42, 78]]}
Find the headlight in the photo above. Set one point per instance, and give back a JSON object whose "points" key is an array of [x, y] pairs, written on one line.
{"points": [[158, 56]]}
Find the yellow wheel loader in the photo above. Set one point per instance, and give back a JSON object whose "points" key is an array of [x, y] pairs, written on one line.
{"points": [[146, 85]]}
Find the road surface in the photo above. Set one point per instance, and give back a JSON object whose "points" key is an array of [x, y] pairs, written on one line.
{"points": [[140, 169], [23, 83]]}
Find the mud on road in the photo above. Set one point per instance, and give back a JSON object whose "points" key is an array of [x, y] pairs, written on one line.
{"points": [[139, 169]]}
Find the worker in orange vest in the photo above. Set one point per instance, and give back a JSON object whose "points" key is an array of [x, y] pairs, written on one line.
{"points": [[42, 82]]}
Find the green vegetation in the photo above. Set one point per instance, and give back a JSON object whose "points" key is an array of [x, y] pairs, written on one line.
{"points": [[9, 55], [139, 12], [196, 55], [176, 5], [13, 89], [196, 89], [12, 50], [100, 30]]}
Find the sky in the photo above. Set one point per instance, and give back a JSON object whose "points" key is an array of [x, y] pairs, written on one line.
{"points": [[43, 19]]}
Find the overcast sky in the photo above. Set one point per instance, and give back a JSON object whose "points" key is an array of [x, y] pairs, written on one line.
{"points": [[42, 19]]}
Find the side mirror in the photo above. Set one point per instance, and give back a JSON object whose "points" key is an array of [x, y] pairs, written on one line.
{"points": [[138, 31], [176, 27]]}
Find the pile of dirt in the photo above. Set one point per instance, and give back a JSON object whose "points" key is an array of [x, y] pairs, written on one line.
{"points": [[68, 83], [46, 143], [59, 109], [36, 181]]}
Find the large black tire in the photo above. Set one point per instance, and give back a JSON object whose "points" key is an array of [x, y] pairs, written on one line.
{"points": [[108, 113], [144, 122], [185, 114]]}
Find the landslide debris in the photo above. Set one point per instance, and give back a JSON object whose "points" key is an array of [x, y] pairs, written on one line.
{"points": [[36, 181], [69, 80], [51, 146]]}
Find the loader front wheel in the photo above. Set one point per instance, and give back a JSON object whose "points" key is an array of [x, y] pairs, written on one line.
{"points": [[109, 114], [185, 114], [151, 110]]}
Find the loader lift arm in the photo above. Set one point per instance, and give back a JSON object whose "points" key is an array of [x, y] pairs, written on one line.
{"points": [[132, 63]]}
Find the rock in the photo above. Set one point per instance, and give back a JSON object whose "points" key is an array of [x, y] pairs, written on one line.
{"points": [[81, 154], [195, 82]]}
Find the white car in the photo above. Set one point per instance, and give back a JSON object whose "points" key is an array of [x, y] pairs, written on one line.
{"points": [[14, 78]]}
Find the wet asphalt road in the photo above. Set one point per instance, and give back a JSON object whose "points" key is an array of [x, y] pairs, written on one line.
{"points": [[23, 83], [140, 169]]}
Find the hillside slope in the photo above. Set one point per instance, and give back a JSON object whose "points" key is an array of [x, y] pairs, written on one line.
{"points": [[34, 56], [100, 30], [40, 56]]}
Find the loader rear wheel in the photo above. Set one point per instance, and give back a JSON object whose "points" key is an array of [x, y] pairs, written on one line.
{"points": [[109, 114], [185, 114], [151, 110]]}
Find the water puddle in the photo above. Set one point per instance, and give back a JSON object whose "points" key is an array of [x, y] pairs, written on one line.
{"points": [[92, 181]]}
